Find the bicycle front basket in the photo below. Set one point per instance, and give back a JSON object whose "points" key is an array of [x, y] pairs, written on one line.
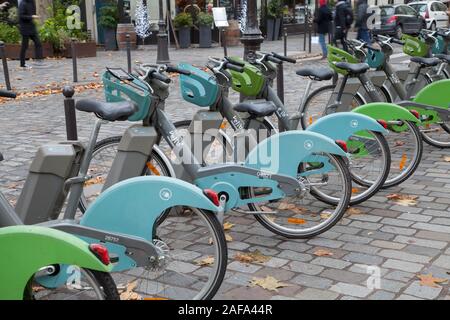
{"points": [[374, 59], [414, 46], [131, 89], [338, 55]]}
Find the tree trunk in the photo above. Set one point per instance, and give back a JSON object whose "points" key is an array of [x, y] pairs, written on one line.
{"points": [[42, 8]]}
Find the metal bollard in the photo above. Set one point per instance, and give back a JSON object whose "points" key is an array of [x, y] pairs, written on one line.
{"points": [[128, 53], [5, 66], [69, 111], [224, 43], [74, 61], [309, 38], [280, 70]]}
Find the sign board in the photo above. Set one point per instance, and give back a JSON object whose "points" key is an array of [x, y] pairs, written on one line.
{"points": [[220, 17]]}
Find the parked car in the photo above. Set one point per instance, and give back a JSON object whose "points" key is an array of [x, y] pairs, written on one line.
{"points": [[398, 19], [434, 12]]}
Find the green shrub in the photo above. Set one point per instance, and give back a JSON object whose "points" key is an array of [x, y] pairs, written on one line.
{"points": [[109, 17], [274, 9], [182, 20], [205, 19], [9, 34]]}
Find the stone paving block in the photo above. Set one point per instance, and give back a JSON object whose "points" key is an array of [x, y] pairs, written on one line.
{"points": [[407, 297], [306, 268], [403, 265], [433, 235], [316, 294], [326, 243], [366, 225], [294, 246], [431, 227], [280, 273], [243, 267], [442, 261], [240, 279], [397, 222], [351, 290], [354, 239], [344, 276], [398, 230], [424, 251], [363, 258], [400, 275], [415, 217], [360, 248], [387, 244], [263, 241], [421, 242], [425, 292], [391, 285], [292, 255], [382, 295], [397, 254], [331, 263], [264, 250], [312, 281], [366, 217]]}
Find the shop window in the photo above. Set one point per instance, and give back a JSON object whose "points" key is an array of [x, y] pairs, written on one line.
{"points": [[294, 11]]}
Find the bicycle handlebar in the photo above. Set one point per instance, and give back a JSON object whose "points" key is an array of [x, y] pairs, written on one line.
{"points": [[283, 58], [177, 70]]}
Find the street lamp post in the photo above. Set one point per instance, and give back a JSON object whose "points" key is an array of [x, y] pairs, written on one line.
{"points": [[163, 47], [251, 36]]}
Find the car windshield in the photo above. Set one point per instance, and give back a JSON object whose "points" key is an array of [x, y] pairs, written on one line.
{"points": [[419, 7], [386, 11]]}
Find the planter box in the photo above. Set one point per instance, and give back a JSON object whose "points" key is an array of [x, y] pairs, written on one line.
{"points": [[82, 49], [12, 51], [184, 37], [205, 36]]}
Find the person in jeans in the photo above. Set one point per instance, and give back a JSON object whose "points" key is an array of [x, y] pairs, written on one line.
{"points": [[323, 18], [27, 13], [361, 21]]}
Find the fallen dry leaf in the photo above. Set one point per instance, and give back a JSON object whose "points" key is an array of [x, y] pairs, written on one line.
{"points": [[403, 199], [268, 283], [296, 221], [429, 281], [322, 253], [399, 143], [255, 256], [227, 226], [286, 206], [129, 294], [353, 211], [228, 238], [447, 159], [96, 180], [205, 261]]}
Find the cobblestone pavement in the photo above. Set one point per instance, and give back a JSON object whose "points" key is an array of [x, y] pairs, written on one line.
{"points": [[403, 242]]}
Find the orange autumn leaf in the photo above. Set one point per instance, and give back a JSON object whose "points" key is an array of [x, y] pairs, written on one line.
{"points": [[296, 221], [402, 162], [429, 281], [322, 253]]}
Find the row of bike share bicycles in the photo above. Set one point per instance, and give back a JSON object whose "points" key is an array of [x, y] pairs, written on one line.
{"points": [[143, 212]]}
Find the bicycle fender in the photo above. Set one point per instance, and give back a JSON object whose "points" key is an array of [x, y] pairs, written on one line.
{"points": [[26, 249], [433, 94], [133, 205], [342, 125], [386, 111], [282, 153]]}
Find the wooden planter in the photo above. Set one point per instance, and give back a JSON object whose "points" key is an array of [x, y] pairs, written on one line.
{"points": [[83, 49], [12, 51]]}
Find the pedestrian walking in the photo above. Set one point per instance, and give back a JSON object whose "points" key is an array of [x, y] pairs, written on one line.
{"points": [[361, 21], [342, 21], [27, 14], [323, 18]]}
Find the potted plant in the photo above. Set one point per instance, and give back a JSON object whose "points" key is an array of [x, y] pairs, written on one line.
{"points": [[205, 21], [183, 22], [108, 20], [274, 15]]}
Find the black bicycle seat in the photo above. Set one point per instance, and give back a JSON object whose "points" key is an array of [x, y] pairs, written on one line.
{"points": [[1, 157], [260, 108], [316, 73], [443, 57], [114, 111], [426, 62], [353, 68]]}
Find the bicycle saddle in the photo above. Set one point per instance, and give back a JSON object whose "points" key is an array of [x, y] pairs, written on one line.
{"points": [[443, 57], [1, 157], [115, 111], [426, 62], [353, 68], [258, 108], [321, 73]]}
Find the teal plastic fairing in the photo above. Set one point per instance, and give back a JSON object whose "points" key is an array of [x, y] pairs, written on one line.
{"points": [[136, 91], [375, 59], [439, 45], [199, 88]]}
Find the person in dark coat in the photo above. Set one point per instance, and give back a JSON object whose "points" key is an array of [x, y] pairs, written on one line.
{"points": [[341, 24], [323, 18], [27, 14], [361, 21]]}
